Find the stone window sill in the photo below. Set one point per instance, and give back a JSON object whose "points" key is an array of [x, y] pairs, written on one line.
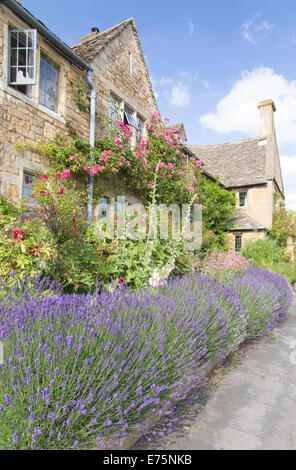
{"points": [[32, 102]]}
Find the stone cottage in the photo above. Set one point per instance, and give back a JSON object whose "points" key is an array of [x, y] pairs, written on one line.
{"points": [[251, 168]]}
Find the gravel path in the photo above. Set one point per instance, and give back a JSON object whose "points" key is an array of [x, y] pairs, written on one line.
{"points": [[249, 403]]}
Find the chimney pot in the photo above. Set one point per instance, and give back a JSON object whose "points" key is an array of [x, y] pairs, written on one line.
{"points": [[95, 30], [266, 112]]}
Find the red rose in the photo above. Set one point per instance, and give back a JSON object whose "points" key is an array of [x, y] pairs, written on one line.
{"points": [[120, 281], [15, 234]]}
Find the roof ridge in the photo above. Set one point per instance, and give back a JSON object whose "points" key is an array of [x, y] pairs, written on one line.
{"points": [[106, 31], [229, 143]]}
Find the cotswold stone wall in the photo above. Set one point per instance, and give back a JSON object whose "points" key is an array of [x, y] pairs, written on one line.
{"points": [[24, 120]]}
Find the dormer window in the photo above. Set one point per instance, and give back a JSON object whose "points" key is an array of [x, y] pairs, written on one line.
{"points": [[22, 59], [243, 198]]}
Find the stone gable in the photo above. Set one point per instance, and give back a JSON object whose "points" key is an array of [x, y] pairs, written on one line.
{"points": [[119, 68]]}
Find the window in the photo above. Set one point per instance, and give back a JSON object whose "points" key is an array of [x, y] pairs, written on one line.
{"points": [[115, 111], [48, 94], [238, 243], [28, 179], [140, 129], [22, 59], [104, 207], [243, 198], [129, 118]]}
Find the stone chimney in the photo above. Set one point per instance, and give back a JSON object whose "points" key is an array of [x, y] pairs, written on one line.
{"points": [[266, 113], [94, 32]]}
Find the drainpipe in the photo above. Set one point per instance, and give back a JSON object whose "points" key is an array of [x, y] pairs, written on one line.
{"points": [[92, 128]]}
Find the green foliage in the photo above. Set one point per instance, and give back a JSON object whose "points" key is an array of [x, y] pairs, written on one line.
{"points": [[264, 252], [23, 250], [7, 211], [79, 92], [156, 170], [271, 254], [219, 209], [284, 225], [60, 207], [219, 206]]}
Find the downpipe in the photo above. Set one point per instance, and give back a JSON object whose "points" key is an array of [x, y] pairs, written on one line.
{"points": [[92, 130]]}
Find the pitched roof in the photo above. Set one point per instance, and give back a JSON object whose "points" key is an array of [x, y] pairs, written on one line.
{"points": [[89, 48], [237, 163], [243, 221]]}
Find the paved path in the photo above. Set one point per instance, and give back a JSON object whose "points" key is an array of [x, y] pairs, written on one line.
{"points": [[253, 405]]}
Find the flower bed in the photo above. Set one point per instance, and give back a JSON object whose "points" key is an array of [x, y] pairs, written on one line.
{"points": [[85, 370]]}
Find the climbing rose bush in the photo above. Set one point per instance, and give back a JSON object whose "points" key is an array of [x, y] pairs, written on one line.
{"points": [[83, 371]]}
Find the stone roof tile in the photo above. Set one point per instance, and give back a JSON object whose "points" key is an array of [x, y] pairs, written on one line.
{"points": [[243, 221], [237, 163], [88, 49]]}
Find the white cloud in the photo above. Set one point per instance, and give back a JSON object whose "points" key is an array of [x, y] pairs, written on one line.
{"points": [[206, 84], [179, 95], [237, 111], [290, 200], [190, 26], [288, 165], [251, 29]]}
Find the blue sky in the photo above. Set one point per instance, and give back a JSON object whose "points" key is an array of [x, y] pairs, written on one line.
{"points": [[210, 62]]}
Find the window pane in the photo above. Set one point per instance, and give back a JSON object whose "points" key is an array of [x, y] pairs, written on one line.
{"points": [[13, 74], [28, 179], [22, 40], [30, 57], [13, 57], [243, 198], [22, 57], [48, 84], [31, 39], [14, 36]]}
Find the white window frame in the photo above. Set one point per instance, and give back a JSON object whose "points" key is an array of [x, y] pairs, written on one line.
{"points": [[26, 81], [241, 242], [245, 199], [128, 113], [114, 99]]}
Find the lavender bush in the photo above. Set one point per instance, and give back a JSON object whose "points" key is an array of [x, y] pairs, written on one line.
{"points": [[265, 298], [83, 371]]}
